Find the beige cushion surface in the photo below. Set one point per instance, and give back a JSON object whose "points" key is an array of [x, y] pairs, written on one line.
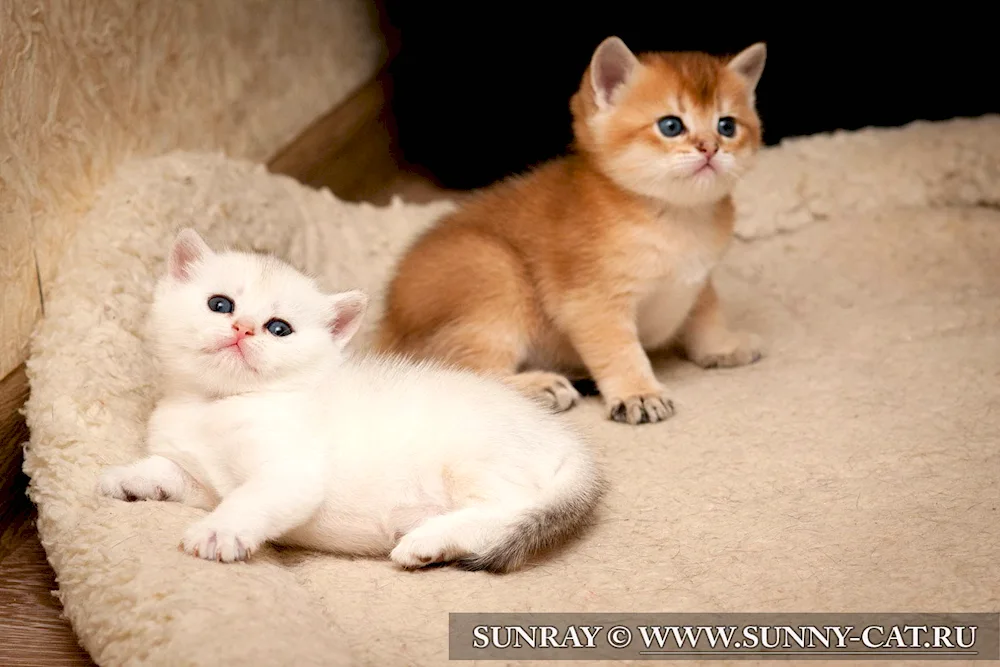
{"points": [[853, 469]]}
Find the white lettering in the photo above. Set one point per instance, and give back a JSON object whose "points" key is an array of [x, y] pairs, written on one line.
{"points": [[866, 640], [941, 637], [777, 641], [841, 634], [649, 634], [895, 639], [960, 633], [721, 633], [590, 631]]}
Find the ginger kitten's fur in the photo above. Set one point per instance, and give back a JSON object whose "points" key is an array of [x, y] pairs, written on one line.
{"points": [[592, 259]]}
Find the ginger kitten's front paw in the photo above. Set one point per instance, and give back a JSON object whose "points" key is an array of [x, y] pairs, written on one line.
{"points": [[739, 349], [551, 390], [212, 539], [640, 409], [131, 483]]}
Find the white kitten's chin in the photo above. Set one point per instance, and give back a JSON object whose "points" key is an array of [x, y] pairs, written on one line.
{"points": [[227, 372], [234, 358], [212, 373]]}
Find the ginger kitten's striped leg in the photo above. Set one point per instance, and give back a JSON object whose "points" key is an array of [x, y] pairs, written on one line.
{"points": [[496, 348], [479, 289], [498, 351], [604, 335], [708, 340]]}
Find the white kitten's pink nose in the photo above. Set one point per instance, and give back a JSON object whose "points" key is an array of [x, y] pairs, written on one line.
{"points": [[243, 328]]}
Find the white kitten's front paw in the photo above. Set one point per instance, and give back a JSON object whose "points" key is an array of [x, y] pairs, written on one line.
{"points": [[213, 539], [420, 548], [130, 484]]}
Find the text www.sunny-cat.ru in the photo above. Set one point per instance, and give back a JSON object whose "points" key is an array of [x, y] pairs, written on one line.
{"points": [[760, 636]]}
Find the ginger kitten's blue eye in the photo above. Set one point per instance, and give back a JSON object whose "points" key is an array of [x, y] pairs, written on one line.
{"points": [[670, 126], [727, 126], [278, 327], [221, 304]]}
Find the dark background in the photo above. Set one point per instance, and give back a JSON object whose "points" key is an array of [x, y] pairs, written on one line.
{"points": [[481, 90]]}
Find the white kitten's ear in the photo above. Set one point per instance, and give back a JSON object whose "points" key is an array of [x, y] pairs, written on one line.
{"points": [[610, 68], [749, 63], [188, 249], [348, 309]]}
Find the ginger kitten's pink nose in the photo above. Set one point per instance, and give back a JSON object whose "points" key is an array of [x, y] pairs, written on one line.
{"points": [[243, 328], [706, 147]]}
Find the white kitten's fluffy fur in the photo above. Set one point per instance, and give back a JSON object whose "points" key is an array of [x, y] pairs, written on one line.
{"points": [[288, 439]]}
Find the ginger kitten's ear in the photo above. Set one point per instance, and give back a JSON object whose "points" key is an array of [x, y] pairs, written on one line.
{"points": [[610, 68], [188, 249], [348, 309], [749, 63]]}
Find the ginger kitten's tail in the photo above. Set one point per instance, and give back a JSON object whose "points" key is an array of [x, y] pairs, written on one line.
{"points": [[558, 515]]}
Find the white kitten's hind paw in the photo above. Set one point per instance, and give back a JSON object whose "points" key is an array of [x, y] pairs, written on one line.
{"points": [[213, 540], [131, 483], [422, 547]]}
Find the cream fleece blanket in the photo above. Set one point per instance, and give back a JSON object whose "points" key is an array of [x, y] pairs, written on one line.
{"points": [[854, 469]]}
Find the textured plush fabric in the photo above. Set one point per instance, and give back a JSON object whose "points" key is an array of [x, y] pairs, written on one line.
{"points": [[853, 469]]}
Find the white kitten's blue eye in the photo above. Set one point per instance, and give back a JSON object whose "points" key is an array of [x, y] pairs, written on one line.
{"points": [[727, 126], [221, 304], [278, 327], [670, 126]]}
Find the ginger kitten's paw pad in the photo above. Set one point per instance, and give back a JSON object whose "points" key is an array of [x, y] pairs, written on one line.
{"points": [[124, 483], [744, 350], [218, 543], [422, 548], [552, 390], [560, 395], [641, 409]]}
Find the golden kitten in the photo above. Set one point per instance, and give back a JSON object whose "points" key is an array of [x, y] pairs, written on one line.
{"points": [[590, 260]]}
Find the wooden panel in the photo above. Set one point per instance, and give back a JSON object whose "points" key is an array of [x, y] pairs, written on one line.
{"points": [[20, 297], [14, 504], [33, 630], [352, 150], [347, 149]]}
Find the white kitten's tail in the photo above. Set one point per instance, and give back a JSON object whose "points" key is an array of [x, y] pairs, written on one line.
{"points": [[558, 514]]}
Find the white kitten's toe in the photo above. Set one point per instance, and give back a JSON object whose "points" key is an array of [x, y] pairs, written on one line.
{"points": [[125, 483], [211, 540], [422, 548]]}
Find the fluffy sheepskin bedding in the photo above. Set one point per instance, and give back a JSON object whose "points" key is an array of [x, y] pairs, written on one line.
{"points": [[854, 469]]}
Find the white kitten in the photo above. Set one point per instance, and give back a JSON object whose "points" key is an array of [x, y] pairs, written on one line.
{"points": [[268, 423]]}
